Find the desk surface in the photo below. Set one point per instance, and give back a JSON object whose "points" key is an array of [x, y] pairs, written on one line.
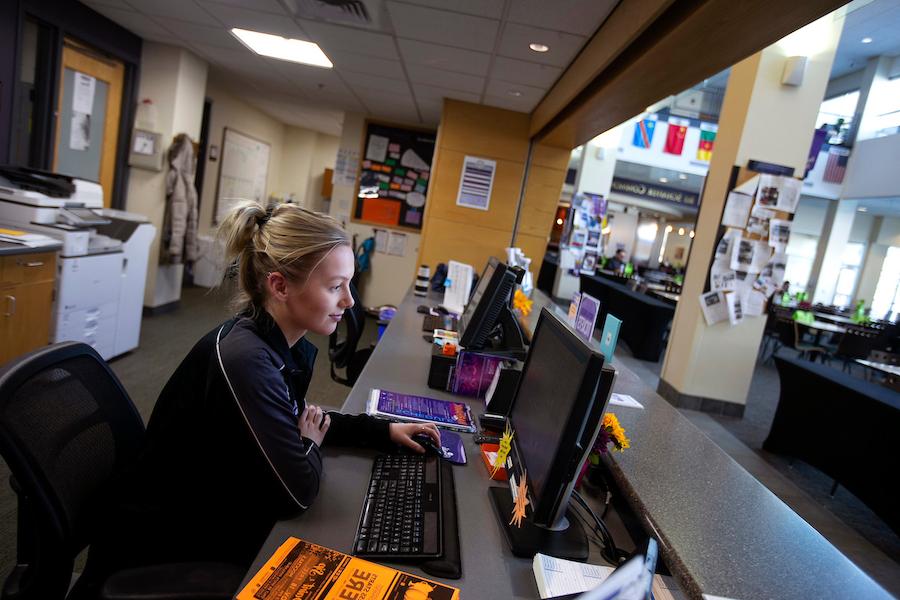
{"points": [[720, 530], [890, 369], [823, 326]]}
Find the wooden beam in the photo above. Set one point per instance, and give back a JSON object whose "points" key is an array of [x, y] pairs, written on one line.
{"points": [[688, 42]]}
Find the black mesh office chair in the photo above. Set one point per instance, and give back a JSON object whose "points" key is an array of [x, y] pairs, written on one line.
{"points": [[67, 428], [342, 351]]}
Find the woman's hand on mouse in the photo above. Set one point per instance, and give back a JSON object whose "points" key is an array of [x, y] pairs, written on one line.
{"points": [[402, 433], [314, 423]]}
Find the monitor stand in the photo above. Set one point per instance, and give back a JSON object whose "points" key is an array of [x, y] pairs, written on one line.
{"points": [[525, 541], [507, 340]]}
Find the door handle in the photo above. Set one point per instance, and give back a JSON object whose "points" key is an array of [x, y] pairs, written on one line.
{"points": [[35, 263], [11, 304]]}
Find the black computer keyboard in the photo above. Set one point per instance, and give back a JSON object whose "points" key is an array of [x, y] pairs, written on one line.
{"points": [[402, 516]]}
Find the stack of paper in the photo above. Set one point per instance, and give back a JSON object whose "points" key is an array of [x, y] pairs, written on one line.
{"points": [[557, 577], [32, 240]]}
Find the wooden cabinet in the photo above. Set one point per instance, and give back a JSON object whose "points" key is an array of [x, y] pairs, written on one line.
{"points": [[26, 298]]}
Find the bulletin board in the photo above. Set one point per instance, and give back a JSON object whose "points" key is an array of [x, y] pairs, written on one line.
{"points": [[395, 170], [243, 170]]}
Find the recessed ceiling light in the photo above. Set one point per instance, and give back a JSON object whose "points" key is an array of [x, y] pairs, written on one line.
{"points": [[862, 209], [538, 47], [515, 93], [866, 40], [682, 176], [692, 234], [664, 180], [297, 51], [681, 231]]}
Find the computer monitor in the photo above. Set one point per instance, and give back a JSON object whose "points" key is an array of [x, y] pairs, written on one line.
{"points": [[562, 393], [488, 307]]}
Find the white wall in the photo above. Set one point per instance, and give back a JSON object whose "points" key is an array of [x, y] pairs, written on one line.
{"points": [[390, 276], [676, 243], [873, 169], [175, 80], [623, 230], [810, 216], [887, 235]]}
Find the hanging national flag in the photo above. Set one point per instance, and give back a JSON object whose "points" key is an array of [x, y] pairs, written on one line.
{"points": [[815, 148], [836, 165], [675, 135], [643, 132], [707, 140]]}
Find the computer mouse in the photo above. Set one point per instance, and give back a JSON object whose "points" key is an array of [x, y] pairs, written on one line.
{"points": [[423, 309], [426, 441]]}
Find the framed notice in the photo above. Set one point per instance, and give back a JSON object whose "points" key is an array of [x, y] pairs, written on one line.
{"points": [[476, 183], [395, 169]]}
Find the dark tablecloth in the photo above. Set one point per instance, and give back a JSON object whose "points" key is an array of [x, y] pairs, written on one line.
{"points": [[547, 274], [645, 320], [846, 427]]}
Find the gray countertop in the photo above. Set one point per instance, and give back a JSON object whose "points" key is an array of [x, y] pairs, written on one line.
{"points": [[721, 532], [7, 248]]}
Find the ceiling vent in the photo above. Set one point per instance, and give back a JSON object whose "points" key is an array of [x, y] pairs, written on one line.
{"points": [[361, 13]]}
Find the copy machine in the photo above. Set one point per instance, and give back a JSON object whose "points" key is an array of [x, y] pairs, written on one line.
{"points": [[102, 266]]}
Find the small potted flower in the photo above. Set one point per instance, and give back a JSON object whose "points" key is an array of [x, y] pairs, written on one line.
{"points": [[611, 436]]}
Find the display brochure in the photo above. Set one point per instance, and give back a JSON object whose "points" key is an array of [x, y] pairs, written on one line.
{"points": [[735, 312], [758, 223], [301, 570], [589, 262], [407, 407], [737, 210], [586, 318], [556, 577], [714, 307], [721, 276], [779, 234], [473, 372], [573, 308], [610, 336]]}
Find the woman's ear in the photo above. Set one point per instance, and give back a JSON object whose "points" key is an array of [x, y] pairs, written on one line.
{"points": [[277, 286]]}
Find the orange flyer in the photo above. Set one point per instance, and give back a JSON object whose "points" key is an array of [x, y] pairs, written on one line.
{"points": [[301, 570]]}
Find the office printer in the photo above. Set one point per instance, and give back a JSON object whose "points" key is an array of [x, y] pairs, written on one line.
{"points": [[102, 266]]}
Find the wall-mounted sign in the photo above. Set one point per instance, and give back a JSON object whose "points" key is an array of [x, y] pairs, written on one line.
{"points": [[640, 189]]}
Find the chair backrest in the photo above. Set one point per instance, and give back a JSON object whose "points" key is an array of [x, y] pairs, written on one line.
{"points": [[67, 427], [785, 330], [856, 342], [341, 349]]}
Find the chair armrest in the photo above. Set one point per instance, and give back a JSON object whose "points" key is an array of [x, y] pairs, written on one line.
{"points": [[175, 581]]}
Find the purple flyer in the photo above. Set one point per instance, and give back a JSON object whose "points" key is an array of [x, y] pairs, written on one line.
{"points": [[588, 309], [473, 373], [443, 413]]}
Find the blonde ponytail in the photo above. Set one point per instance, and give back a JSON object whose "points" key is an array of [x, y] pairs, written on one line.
{"points": [[284, 238]]}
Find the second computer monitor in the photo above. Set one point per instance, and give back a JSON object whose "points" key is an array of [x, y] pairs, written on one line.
{"points": [[558, 406], [488, 300]]}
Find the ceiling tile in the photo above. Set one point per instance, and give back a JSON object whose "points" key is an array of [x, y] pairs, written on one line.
{"points": [[563, 46], [581, 17], [228, 56], [517, 92], [360, 63], [447, 79], [359, 81], [381, 98], [444, 57], [492, 9], [132, 21], [335, 38], [510, 103], [254, 20], [271, 6], [443, 27], [527, 73], [306, 76], [183, 10], [430, 93], [190, 32], [431, 112], [110, 3]]}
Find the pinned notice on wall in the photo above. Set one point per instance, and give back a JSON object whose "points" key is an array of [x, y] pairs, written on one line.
{"points": [[396, 243], [476, 183], [83, 89]]}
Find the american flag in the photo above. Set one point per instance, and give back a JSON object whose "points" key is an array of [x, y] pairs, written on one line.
{"points": [[836, 165]]}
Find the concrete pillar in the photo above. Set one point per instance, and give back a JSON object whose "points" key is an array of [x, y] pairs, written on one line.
{"points": [[653, 262], [873, 100], [820, 250], [175, 80], [710, 367], [845, 212]]}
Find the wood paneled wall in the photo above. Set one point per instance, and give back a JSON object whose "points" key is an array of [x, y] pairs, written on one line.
{"points": [[452, 232]]}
